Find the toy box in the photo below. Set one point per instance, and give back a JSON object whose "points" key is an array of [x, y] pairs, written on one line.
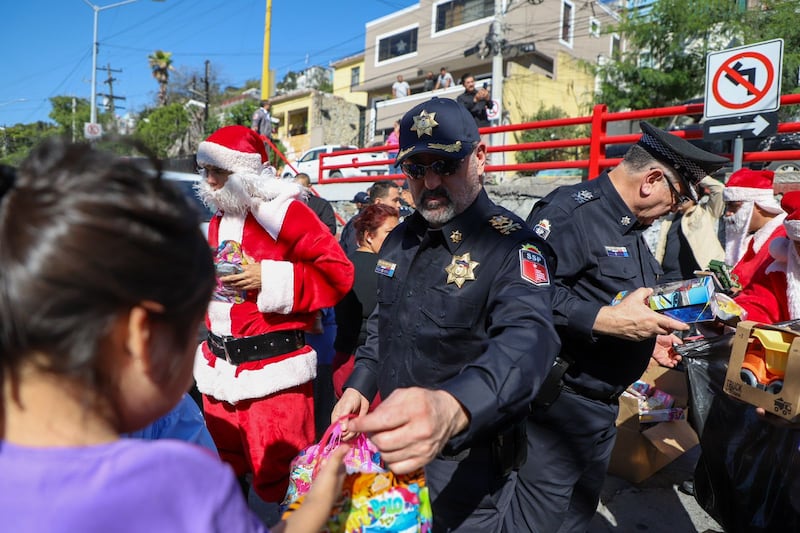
{"points": [[642, 449], [690, 301], [764, 367]]}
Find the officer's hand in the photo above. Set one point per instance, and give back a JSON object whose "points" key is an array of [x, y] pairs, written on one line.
{"points": [[248, 280], [632, 319], [352, 402], [411, 426], [664, 354]]}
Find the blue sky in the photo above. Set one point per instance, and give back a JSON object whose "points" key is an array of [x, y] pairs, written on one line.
{"points": [[47, 44]]}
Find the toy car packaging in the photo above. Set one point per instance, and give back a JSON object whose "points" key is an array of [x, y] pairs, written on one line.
{"points": [[693, 300], [764, 368], [373, 498]]}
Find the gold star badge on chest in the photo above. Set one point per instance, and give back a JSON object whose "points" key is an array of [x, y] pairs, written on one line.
{"points": [[424, 123], [461, 269]]}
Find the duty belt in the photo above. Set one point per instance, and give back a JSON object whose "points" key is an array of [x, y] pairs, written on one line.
{"points": [[592, 394], [238, 350]]}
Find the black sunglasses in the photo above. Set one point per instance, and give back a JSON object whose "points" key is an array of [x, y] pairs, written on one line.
{"points": [[442, 167], [682, 198]]}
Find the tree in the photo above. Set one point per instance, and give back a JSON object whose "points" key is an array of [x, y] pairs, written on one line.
{"points": [[548, 134], [665, 57], [68, 118], [160, 65], [159, 129], [18, 140]]}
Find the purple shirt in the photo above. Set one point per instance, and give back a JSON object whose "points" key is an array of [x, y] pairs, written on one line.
{"points": [[125, 486]]}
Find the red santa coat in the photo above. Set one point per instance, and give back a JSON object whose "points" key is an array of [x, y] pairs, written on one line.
{"points": [[764, 298], [757, 255], [303, 269]]}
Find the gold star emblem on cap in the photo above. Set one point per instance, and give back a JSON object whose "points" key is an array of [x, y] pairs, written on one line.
{"points": [[424, 123], [461, 269], [455, 236]]}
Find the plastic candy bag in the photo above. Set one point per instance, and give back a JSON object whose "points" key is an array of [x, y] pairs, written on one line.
{"points": [[373, 498]]}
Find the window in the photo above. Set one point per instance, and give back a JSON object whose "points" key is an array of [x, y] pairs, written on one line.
{"points": [[457, 12], [397, 45], [567, 16], [615, 50], [594, 27], [355, 76]]}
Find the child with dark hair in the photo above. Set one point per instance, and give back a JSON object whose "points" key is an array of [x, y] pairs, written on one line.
{"points": [[104, 278]]}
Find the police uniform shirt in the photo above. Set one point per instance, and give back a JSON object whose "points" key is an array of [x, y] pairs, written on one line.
{"points": [[600, 251], [466, 309]]}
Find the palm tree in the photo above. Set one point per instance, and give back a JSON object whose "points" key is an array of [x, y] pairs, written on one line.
{"points": [[160, 65]]}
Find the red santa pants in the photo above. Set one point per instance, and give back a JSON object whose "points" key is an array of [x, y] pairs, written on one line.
{"points": [[263, 435]]}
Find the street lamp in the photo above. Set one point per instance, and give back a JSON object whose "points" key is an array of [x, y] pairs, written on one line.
{"points": [[95, 46]]}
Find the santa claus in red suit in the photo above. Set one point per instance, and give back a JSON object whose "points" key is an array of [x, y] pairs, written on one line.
{"points": [[277, 265], [773, 294], [753, 217]]}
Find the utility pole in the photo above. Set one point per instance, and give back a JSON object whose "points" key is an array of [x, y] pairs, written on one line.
{"points": [[266, 81], [207, 91], [74, 109], [110, 96]]}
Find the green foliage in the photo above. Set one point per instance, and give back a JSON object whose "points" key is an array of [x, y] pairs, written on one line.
{"points": [[158, 129], [62, 115], [665, 57], [18, 140], [241, 114], [548, 134]]}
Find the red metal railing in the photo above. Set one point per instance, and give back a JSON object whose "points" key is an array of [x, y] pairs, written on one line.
{"points": [[597, 122]]}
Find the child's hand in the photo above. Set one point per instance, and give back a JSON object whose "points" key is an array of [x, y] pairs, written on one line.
{"points": [[325, 491]]}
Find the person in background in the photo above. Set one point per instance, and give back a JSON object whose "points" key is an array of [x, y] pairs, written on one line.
{"points": [[407, 204], [393, 139], [372, 227], [381, 192], [400, 88], [347, 236], [476, 101], [462, 335], [321, 207], [753, 217], [773, 294], [444, 80], [429, 82], [184, 422], [595, 228], [104, 277], [277, 266], [262, 120], [688, 238]]}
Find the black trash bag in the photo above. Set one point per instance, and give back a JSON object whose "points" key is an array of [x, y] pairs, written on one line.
{"points": [[706, 363], [748, 474]]}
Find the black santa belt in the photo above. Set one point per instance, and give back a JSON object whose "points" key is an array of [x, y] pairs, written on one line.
{"points": [[238, 350]]}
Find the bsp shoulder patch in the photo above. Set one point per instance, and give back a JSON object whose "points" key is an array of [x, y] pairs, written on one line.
{"points": [[532, 266]]}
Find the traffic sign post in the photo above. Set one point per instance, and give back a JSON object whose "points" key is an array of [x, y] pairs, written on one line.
{"points": [[92, 130], [743, 92]]}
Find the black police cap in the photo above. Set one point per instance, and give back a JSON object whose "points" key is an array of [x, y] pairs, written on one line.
{"points": [[440, 126], [690, 162]]}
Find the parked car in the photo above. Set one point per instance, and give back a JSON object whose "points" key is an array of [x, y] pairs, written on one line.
{"points": [[309, 163], [185, 182]]}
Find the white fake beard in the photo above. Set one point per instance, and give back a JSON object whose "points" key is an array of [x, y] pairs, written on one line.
{"points": [[736, 235], [231, 198], [793, 282]]}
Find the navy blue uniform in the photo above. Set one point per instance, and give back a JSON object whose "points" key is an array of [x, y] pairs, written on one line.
{"points": [[466, 309], [600, 252]]}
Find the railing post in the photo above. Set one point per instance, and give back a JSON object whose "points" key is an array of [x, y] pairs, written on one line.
{"points": [[597, 150]]}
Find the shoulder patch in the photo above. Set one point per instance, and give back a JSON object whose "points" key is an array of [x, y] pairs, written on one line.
{"points": [[542, 228], [582, 196], [532, 266]]}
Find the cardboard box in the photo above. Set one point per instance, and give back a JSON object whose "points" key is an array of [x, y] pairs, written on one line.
{"points": [[786, 402], [641, 450]]}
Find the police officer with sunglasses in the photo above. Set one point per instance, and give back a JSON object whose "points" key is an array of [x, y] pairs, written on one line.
{"points": [[462, 336]]}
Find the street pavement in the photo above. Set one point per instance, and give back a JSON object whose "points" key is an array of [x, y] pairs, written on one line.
{"points": [[655, 505]]}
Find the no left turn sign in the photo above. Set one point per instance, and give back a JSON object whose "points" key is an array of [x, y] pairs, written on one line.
{"points": [[744, 80]]}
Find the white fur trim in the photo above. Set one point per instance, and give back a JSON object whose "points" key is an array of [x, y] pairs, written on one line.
{"points": [[766, 231], [765, 198], [271, 214], [277, 287], [222, 383], [209, 153], [792, 229], [219, 315]]}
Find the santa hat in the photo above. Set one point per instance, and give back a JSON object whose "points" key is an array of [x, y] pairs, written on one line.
{"points": [[792, 225], [746, 185], [790, 201], [234, 148]]}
